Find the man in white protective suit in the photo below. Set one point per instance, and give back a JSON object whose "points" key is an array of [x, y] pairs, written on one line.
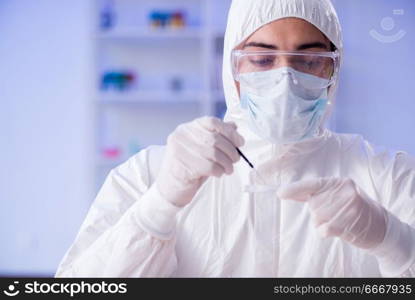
{"points": [[316, 203]]}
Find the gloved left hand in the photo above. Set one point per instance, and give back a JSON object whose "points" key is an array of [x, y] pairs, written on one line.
{"points": [[340, 208]]}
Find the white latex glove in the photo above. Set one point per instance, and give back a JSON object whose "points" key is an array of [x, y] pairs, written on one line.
{"points": [[195, 151], [339, 208]]}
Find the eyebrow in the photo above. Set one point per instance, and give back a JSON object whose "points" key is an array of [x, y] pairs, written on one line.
{"points": [[260, 45], [313, 45], [301, 47]]}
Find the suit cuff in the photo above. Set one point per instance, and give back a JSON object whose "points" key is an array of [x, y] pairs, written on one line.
{"points": [[396, 254], [156, 215]]}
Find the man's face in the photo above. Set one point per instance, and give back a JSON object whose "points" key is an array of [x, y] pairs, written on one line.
{"points": [[288, 34]]}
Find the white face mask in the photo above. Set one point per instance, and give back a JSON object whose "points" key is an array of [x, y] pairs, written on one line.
{"points": [[279, 109]]}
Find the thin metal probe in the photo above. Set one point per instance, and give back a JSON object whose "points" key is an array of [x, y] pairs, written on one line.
{"points": [[250, 164], [244, 157]]}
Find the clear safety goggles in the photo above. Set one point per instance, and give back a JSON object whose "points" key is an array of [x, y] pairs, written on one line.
{"points": [[324, 65]]}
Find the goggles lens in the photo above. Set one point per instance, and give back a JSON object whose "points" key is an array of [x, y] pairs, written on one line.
{"points": [[322, 65]]}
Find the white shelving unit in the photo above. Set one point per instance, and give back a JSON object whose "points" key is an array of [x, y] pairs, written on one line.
{"points": [[145, 114], [131, 33]]}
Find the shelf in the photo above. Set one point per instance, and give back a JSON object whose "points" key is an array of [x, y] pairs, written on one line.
{"points": [[139, 33], [149, 98], [151, 110], [102, 162]]}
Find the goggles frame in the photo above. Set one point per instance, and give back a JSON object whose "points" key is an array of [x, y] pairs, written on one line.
{"points": [[334, 55]]}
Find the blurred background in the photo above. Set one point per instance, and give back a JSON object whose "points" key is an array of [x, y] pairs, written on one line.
{"points": [[86, 84]]}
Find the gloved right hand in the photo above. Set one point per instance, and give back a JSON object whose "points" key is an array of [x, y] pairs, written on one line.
{"points": [[340, 208], [195, 151]]}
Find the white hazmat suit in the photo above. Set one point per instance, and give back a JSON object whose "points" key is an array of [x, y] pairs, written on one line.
{"points": [[132, 231]]}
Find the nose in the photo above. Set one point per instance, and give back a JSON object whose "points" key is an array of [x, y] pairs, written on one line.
{"points": [[283, 62], [287, 72]]}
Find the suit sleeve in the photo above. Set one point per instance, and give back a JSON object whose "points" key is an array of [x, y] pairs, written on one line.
{"points": [[129, 230], [394, 178]]}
